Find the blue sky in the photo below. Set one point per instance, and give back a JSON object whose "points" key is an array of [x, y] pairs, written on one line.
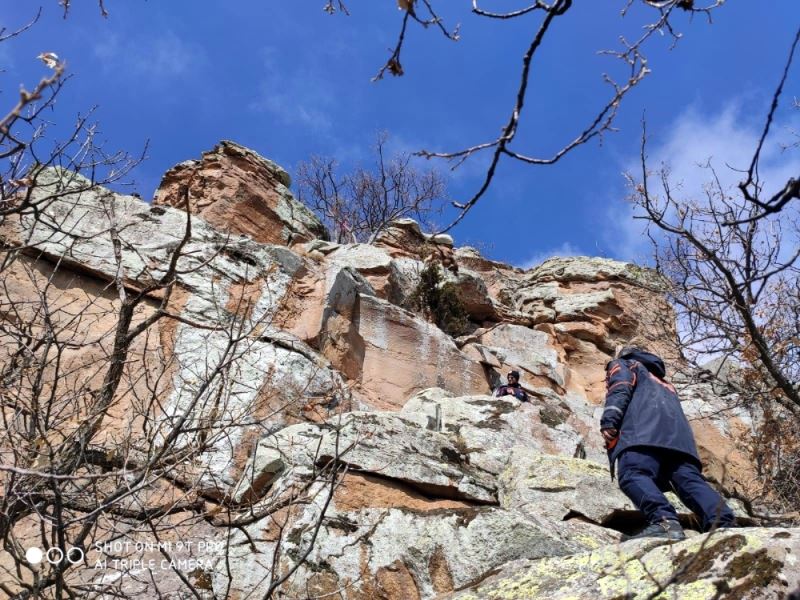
{"points": [[289, 81]]}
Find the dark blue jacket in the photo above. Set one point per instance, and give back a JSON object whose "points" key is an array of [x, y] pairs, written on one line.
{"points": [[644, 408], [516, 390]]}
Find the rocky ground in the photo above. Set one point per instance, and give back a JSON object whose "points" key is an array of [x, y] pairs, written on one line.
{"points": [[416, 483]]}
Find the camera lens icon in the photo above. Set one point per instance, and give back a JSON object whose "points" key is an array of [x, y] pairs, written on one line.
{"points": [[54, 555], [34, 555]]}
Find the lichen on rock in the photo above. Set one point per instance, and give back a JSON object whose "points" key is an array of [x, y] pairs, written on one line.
{"points": [[348, 415]]}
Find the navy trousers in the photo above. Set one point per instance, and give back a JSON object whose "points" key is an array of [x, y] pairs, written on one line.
{"points": [[644, 472]]}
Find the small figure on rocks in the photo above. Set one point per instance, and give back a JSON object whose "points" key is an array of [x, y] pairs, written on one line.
{"points": [[644, 428], [512, 388]]}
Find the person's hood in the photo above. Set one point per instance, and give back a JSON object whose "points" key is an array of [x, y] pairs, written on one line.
{"points": [[652, 363]]}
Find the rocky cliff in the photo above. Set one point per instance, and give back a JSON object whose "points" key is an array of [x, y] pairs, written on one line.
{"points": [[327, 441]]}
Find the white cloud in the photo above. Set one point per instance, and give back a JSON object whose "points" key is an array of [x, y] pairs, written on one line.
{"points": [[292, 105], [158, 59], [726, 140], [168, 56], [6, 60], [107, 47], [297, 97], [625, 236], [565, 249]]}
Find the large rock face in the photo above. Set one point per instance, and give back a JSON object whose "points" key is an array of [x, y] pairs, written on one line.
{"points": [[317, 435]]}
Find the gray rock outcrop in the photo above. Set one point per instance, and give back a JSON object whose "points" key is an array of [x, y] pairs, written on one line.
{"points": [[336, 442]]}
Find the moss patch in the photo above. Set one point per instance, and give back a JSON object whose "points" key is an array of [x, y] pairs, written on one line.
{"points": [[552, 416], [439, 301], [760, 569], [697, 565]]}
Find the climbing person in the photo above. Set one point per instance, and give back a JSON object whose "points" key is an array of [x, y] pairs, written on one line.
{"points": [[512, 388], [644, 428]]}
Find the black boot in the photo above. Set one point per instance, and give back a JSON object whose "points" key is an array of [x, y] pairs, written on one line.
{"points": [[668, 529]]}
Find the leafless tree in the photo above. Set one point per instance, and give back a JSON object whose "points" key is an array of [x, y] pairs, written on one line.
{"points": [[358, 206], [732, 254], [111, 431], [424, 13], [116, 403]]}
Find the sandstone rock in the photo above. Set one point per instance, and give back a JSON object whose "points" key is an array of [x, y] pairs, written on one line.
{"points": [[419, 353], [501, 280], [360, 334], [393, 279], [584, 268], [454, 489], [238, 191], [404, 276], [318, 293], [384, 444], [483, 355], [412, 503], [220, 280], [425, 546], [286, 452], [745, 563], [591, 306], [364, 258], [559, 488], [475, 424], [489, 430], [723, 429], [321, 246], [532, 351], [403, 237], [576, 306], [472, 292], [397, 553], [389, 446], [77, 231], [276, 396]]}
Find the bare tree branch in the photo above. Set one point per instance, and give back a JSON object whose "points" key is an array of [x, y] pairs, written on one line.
{"points": [[358, 206]]}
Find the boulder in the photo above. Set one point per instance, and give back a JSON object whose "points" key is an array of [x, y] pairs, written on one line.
{"points": [[591, 269], [238, 191], [747, 563], [404, 238], [393, 278], [474, 296], [390, 552]]}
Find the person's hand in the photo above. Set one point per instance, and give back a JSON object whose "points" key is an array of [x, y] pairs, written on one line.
{"points": [[610, 436]]}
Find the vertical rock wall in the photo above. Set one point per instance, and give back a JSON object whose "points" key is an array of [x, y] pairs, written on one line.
{"points": [[314, 359]]}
